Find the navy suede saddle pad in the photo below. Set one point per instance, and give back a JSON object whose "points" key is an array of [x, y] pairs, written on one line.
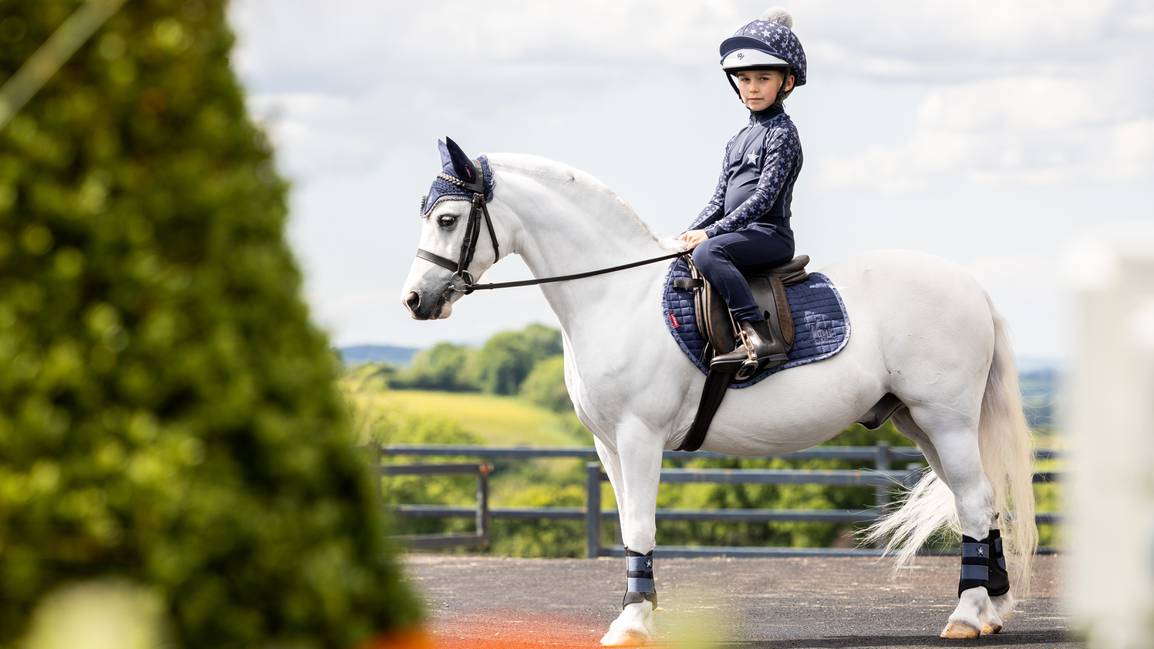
{"points": [[819, 316]]}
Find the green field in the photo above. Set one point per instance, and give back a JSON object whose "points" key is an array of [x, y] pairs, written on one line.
{"points": [[498, 420]]}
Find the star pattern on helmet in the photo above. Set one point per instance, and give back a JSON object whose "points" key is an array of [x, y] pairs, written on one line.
{"points": [[780, 41]]}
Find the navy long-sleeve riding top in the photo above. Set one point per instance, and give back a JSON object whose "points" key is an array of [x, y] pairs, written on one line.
{"points": [[760, 167]]}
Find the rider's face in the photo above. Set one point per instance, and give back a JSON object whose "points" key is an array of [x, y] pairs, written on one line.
{"points": [[759, 87]]}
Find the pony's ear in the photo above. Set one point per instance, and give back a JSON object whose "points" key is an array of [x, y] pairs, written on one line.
{"points": [[446, 159], [462, 168]]}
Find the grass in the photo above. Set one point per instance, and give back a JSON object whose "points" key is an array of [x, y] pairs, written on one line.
{"points": [[499, 420]]}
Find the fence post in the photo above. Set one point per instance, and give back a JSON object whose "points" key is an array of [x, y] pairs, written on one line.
{"points": [[1109, 537], [882, 457], [483, 471], [592, 510], [375, 455]]}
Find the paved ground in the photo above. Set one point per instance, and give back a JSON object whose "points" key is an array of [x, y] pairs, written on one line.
{"points": [[485, 603]]}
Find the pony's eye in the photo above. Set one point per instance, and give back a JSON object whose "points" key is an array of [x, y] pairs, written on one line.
{"points": [[446, 221]]}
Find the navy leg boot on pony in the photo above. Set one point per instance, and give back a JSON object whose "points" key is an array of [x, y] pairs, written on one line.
{"points": [[984, 566]]}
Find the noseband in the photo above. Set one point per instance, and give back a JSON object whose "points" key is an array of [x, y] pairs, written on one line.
{"points": [[462, 280]]}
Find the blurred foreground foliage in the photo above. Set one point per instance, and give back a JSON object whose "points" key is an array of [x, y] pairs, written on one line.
{"points": [[168, 415]]}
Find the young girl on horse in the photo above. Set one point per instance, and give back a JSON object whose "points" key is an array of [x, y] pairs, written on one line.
{"points": [[745, 225]]}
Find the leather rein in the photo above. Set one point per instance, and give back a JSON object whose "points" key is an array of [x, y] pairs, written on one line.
{"points": [[462, 280]]}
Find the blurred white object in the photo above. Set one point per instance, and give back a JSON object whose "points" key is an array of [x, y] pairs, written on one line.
{"points": [[1110, 536], [108, 614]]}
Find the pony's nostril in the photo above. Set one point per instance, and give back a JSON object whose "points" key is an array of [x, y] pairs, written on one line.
{"points": [[412, 301]]}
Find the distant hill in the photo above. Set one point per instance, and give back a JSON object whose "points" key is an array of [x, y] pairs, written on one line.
{"points": [[1041, 382], [361, 354]]}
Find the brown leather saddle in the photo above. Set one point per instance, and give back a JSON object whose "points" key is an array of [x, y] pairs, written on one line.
{"points": [[716, 323]]}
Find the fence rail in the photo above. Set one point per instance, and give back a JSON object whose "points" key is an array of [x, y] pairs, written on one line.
{"points": [[882, 477], [482, 513]]}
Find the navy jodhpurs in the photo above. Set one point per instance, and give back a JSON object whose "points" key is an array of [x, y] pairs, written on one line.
{"points": [[720, 258]]}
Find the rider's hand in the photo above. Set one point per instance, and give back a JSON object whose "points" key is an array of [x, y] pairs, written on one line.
{"points": [[693, 238]]}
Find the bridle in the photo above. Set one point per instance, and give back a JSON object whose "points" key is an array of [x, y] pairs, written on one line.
{"points": [[462, 280]]}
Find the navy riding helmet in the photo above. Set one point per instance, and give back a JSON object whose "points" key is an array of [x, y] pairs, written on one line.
{"points": [[768, 42]]}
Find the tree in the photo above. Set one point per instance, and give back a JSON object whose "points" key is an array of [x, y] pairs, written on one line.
{"points": [[167, 413], [506, 358], [545, 385], [444, 366]]}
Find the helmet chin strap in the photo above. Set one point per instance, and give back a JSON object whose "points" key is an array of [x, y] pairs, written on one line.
{"points": [[729, 78]]}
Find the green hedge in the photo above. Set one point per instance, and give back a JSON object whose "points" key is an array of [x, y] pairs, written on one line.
{"points": [[167, 413]]}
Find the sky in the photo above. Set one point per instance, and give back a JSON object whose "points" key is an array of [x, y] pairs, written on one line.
{"points": [[1001, 136]]}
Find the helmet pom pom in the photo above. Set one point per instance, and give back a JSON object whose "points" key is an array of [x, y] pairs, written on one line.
{"points": [[777, 15]]}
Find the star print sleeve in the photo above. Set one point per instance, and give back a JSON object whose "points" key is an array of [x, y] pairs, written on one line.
{"points": [[716, 202], [782, 152]]}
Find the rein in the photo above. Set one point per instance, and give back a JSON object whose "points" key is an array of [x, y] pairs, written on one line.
{"points": [[462, 280], [562, 278]]}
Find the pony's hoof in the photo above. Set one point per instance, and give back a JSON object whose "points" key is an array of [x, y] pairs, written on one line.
{"points": [[991, 629], [624, 638], [957, 630]]}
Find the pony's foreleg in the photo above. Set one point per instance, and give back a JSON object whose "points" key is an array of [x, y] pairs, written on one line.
{"points": [[639, 450], [612, 463]]}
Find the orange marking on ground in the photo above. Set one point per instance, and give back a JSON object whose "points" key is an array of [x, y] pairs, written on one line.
{"points": [[514, 630]]}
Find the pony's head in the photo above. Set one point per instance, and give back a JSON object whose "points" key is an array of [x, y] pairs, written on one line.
{"points": [[458, 242]]}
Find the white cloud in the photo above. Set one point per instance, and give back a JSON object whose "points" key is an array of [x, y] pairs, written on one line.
{"points": [[353, 42], [1026, 289], [1133, 146], [1017, 93], [1002, 132], [934, 40]]}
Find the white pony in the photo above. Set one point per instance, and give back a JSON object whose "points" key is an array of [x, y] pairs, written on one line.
{"points": [[922, 329]]}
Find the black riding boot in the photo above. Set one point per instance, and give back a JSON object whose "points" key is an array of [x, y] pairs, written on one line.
{"points": [[756, 350]]}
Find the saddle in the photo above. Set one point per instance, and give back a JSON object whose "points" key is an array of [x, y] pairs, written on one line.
{"points": [[716, 322], [768, 286]]}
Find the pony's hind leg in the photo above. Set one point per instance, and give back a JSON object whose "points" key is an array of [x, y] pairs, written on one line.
{"points": [[950, 442], [1003, 604]]}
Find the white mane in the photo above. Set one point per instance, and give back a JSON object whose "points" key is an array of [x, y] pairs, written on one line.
{"points": [[560, 174]]}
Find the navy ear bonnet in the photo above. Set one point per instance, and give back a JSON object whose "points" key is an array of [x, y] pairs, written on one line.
{"points": [[456, 164], [773, 38]]}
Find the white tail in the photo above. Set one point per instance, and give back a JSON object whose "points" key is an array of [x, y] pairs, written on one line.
{"points": [[1008, 460]]}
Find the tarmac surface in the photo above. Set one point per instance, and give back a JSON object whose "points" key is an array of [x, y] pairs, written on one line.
{"points": [[487, 602]]}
